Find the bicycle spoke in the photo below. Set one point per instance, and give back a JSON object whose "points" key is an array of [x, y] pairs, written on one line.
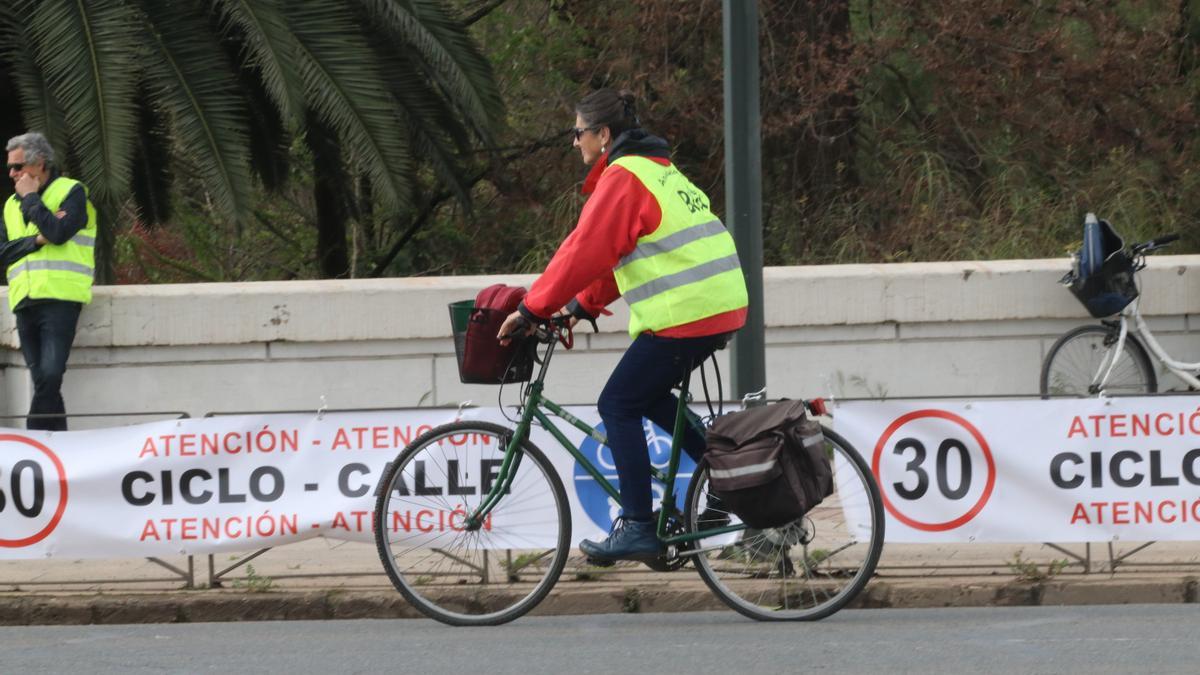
{"points": [[759, 575], [440, 565], [1079, 359]]}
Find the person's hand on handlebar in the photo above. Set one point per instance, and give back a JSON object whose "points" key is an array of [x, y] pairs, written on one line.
{"points": [[514, 325], [566, 314]]}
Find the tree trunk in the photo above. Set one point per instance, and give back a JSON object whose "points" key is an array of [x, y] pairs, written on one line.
{"points": [[11, 123], [331, 189]]}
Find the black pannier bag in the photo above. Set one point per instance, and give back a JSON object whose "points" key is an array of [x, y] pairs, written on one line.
{"points": [[768, 463]]}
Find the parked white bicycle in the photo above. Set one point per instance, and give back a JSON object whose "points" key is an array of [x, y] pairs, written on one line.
{"points": [[1112, 357]]}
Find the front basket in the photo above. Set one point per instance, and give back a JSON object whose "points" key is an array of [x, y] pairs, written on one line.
{"points": [[481, 358], [1108, 290]]}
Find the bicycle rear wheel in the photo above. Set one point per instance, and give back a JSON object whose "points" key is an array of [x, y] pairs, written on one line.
{"points": [[807, 569], [471, 576], [1074, 362]]}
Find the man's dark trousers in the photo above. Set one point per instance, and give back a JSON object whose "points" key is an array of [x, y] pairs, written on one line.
{"points": [[46, 330]]}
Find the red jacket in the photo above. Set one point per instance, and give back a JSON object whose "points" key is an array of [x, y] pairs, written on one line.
{"points": [[619, 211]]}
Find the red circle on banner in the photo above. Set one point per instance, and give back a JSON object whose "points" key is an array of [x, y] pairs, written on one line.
{"points": [[62, 497], [987, 455]]}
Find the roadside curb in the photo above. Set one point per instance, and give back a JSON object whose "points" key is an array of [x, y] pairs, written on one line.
{"points": [[219, 605], [975, 593]]}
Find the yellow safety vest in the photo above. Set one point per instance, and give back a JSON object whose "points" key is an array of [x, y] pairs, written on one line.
{"points": [[61, 272], [688, 268]]}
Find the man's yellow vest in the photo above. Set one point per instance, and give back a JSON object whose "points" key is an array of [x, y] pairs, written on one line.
{"points": [[688, 268], [61, 272]]}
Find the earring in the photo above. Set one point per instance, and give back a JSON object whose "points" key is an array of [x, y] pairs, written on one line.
{"points": [[603, 149]]}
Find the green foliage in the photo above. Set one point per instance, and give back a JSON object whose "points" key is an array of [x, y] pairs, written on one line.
{"points": [[82, 51], [989, 138], [397, 88], [513, 568], [1027, 570], [587, 573], [631, 602], [198, 102], [892, 130], [813, 560], [254, 582], [277, 242]]}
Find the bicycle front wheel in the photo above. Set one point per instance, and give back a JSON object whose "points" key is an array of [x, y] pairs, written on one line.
{"points": [[805, 570], [1075, 363], [453, 572]]}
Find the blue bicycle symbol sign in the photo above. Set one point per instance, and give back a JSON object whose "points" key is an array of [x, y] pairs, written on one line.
{"points": [[598, 505]]}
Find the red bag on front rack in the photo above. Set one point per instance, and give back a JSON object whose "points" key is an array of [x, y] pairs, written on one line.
{"points": [[481, 357]]}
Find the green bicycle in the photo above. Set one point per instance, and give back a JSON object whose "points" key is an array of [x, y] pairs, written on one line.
{"points": [[473, 525]]}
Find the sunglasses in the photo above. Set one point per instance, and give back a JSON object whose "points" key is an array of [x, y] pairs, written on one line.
{"points": [[580, 131], [17, 166]]}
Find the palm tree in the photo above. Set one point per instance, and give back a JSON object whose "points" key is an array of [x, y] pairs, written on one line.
{"points": [[378, 89]]}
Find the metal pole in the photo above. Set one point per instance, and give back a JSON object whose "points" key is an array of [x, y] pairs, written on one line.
{"points": [[743, 184]]}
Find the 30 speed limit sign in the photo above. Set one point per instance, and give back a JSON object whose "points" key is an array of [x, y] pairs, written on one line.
{"points": [[931, 464], [33, 491]]}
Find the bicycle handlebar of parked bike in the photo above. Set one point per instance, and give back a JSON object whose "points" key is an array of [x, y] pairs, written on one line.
{"points": [[1155, 243]]}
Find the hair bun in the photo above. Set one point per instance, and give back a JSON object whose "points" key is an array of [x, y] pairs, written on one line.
{"points": [[628, 100], [610, 107]]}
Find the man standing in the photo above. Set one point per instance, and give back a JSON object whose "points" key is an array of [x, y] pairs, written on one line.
{"points": [[50, 236]]}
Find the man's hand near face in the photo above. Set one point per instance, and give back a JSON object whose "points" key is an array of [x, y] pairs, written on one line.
{"points": [[26, 184]]}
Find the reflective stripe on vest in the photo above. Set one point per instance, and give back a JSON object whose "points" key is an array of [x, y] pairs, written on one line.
{"points": [[687, 269], [61, 265], [679, 279], [674, 241], [60, 272]]}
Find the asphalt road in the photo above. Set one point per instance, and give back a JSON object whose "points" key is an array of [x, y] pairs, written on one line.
{"points": [[1080, 639]]}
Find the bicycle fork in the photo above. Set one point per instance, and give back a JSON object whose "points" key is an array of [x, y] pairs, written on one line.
{"points": [[504, 478], [1109, 362]]}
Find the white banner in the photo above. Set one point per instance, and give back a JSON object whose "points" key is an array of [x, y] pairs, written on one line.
{"points": [[237, 483], [1075, 470], [988, 471]]}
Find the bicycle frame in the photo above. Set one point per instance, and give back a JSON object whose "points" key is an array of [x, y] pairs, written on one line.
{"points": [[535, 407], [1182, 370]]}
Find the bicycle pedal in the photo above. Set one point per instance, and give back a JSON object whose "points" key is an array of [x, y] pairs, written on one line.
{"points": [[599, 562]]}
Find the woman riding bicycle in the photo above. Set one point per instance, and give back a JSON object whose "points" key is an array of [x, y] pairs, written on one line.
{"points": [[646, 233]]}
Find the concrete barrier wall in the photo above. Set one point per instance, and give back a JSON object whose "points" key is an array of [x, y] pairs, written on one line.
{"points": [[898, 330]]}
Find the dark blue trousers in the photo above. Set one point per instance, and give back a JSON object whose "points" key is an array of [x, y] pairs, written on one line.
{"points": [[641, 387], [46, 330]]}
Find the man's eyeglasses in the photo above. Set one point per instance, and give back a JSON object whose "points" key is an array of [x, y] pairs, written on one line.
{"points": [[579, 131], [20, 166]]}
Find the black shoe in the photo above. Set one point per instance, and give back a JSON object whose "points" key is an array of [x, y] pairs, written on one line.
{"points": [[629, 540]]}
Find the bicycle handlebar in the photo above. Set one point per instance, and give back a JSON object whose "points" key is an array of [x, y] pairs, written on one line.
{"points": [[1156, 243], [548, 331], [544, 331]]}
